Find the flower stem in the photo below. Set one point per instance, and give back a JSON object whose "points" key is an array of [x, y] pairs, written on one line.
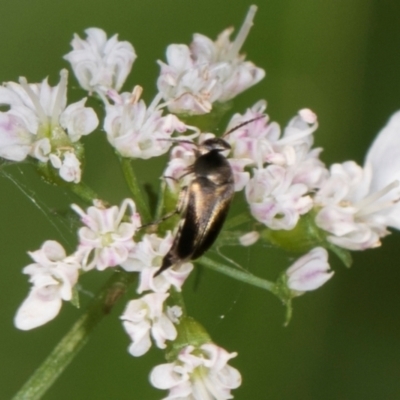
{"points": [[84, 192], [133, 184], [242, 276], [70, 345]]}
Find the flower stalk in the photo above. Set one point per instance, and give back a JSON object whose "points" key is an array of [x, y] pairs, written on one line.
{"points": [[242, 276], [133, 184], [84, 192]]}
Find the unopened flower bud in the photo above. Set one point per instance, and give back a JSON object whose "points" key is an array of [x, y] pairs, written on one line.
{"points": [[310, 271], [249, 238]]}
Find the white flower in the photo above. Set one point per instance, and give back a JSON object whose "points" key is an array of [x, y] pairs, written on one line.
{"points": [[253, 141], [310, 271], [39, 123], [384, 161], [262, 142], [275, 199], [287, 169], [100, 64], [355, 217], [144, 316], [43, 110], [186, 87], [341, 212], [53, 275], [197, 76], [138, 131], [198, 374], [232, 73], [357, 204], [78, 120], [294, 150], [146, 258], [106, 239]]}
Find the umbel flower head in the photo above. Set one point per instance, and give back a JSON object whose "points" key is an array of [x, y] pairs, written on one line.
{"points": [[146, 258], [107, 238], [206, 72], [40, 124], [144, 316], [198, 374], [289, 190], [100, 64], [357, 204], [135, 130], [285, 169]]}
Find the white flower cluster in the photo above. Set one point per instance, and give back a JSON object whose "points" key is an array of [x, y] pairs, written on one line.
{"points": [[279, 171], [198, 374], [284, 167], [357, 204], [354, 205], [105, 241], [99, 63], [283, 178], [207, 72], [137, 131], [144, 316], [133, 129], [41, 125], [146, 258]]}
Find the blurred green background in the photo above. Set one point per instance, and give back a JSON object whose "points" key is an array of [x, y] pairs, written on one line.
{"points": [[341, 59]]}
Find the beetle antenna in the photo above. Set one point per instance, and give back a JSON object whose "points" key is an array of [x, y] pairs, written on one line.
{"points": [[242, 124]]}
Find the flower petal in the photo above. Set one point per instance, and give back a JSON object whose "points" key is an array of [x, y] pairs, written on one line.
{"points": [[37, 309]]}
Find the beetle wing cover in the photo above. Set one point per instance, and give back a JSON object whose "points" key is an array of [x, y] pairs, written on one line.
{"points": [[206, 210]]}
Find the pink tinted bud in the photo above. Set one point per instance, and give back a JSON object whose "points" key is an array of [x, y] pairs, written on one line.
{"points": [[310, 271]]}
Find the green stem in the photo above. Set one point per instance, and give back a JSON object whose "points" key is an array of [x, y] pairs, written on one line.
{"points": [[84, 192], [134, 187], [69, 346], [242, 276]]}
